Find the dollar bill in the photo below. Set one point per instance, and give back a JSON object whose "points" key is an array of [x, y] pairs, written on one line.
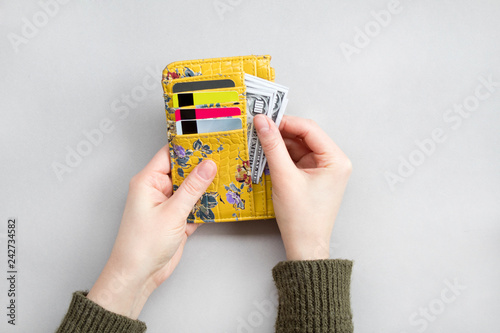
{"points": [[276, 111], [258, 102], [277, 121]]}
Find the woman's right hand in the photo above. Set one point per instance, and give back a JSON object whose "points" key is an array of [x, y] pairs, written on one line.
{"points": [[309, 174]]}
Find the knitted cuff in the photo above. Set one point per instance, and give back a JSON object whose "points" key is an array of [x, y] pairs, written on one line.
{"points": [[314, 296], [86, 316]]}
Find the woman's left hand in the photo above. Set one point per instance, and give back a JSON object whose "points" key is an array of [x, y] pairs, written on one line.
{"points": [[152, 235]]}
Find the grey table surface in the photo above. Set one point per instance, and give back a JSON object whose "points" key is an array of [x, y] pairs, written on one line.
{"points": [[409, 90]]}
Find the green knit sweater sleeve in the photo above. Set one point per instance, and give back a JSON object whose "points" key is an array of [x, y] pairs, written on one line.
{"points": [[314, 296], [85, 316]]}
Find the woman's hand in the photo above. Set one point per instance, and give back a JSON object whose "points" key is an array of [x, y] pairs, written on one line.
{"points": [[152, 235], [309, 173]]}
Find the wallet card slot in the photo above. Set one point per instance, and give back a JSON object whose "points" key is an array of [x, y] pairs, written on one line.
{"points": [[212, 133], [240, 90], [229, 197], [237, 79]]}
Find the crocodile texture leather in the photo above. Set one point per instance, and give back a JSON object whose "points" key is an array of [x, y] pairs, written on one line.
{"points": [[232, 196]]}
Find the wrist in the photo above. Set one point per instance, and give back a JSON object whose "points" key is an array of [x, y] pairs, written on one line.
{"points": [[311, 250], [119, 291], [307, 254]]}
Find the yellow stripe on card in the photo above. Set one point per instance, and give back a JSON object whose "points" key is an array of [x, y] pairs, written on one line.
{"points": [[200, 98]]}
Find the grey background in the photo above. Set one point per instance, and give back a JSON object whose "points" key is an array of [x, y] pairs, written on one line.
{"points": [[440, 224]]}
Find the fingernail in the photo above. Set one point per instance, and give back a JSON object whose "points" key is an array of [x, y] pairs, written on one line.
{"points": [[261, 123], [207, 169]]}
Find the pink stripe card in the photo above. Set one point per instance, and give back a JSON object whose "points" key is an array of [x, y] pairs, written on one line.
{"points": [[184, 114]]}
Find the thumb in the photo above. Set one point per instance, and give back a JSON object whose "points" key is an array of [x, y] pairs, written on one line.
{"points": [[279, 160], [192, 188]]}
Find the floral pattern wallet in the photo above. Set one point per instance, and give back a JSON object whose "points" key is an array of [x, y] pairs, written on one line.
{"points": [[232, 196]]}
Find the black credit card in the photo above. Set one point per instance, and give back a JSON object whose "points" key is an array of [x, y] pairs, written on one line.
{"points": [[202, 85]]}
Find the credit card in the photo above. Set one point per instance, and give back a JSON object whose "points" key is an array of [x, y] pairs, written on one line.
{"points": [[207, 125], [185, 114], [199, 98], [202, 85]]}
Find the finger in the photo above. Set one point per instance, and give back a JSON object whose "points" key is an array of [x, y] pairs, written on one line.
{"points": [[160, 162], [153, 188], [310, 132], [280, 163], [296, 148], [191, 189], [162, 183], [310, 161], [191, 228]]}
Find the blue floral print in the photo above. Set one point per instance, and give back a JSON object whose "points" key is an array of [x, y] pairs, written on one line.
{"points": [[233, 196], [203, 209], [182, 155]]}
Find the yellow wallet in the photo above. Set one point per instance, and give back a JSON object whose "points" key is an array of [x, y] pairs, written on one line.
{"points": [[231, 196]]}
